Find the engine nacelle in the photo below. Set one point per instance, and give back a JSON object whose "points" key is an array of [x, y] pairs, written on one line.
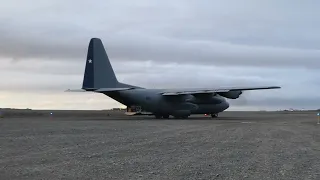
{"points": [[231, 94], [185, 106]]}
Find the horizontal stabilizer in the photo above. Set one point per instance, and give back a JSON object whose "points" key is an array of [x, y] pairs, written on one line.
{"points": [[111, 89], [100, 90], [75, 90]]}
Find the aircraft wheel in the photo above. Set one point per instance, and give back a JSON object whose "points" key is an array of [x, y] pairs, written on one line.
{"points": [[166, 116], [158, 116], [214, 115]]}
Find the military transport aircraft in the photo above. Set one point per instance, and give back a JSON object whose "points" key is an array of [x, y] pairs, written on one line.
{"points": [[99, 77]]}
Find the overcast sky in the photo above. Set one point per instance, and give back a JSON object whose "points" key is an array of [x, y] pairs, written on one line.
{"points": [[161, 44]]}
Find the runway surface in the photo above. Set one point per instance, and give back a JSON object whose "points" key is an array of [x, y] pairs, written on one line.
{"points": [[92, 145]]}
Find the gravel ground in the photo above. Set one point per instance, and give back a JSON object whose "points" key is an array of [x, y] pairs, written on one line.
{"points": [[251, 145]]}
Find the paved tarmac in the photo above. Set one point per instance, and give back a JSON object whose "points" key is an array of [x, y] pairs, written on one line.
{"points": [[237, 145]]}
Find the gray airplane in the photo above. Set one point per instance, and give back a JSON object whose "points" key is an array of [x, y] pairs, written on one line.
{"points": [[99, 77]]}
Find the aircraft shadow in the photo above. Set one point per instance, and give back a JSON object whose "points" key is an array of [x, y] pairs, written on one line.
{"points": [[169, 119]]}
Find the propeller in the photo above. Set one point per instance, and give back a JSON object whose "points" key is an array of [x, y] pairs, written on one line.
{"points": [[242, 100]]}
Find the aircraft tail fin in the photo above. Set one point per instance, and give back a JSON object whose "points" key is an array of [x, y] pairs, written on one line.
{"points": [[98, 71], [99, 75]]}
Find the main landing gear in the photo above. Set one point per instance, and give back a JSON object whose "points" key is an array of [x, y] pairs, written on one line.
{"points": [[162, 116], [214, 115], [167, 117]]}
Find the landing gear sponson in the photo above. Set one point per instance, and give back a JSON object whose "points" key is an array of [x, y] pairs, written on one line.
{"points": [[168, 116]]}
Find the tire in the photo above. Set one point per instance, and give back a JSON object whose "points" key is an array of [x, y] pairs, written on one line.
{"points": [[166, 116], [214, 115]]}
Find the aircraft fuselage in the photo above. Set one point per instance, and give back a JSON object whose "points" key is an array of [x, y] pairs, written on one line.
{"points": [[152, 101]]}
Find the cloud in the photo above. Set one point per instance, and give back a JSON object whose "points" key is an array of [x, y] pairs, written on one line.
{"points": [[193, 33], [163, 44], [137, 47]]}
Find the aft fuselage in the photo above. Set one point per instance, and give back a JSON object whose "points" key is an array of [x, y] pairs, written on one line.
{"points": [[152, 101]]}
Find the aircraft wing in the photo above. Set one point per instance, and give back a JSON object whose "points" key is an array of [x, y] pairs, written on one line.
{"points": [[213, 90]]}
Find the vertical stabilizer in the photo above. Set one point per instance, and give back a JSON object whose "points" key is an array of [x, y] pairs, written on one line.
{"points": [[98, 72]]}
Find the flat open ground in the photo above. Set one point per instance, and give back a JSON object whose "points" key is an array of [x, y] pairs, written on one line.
{"points": [[92, 145]]}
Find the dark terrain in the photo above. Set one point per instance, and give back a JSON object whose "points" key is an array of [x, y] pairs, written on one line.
{"points": [[93, 145]]}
